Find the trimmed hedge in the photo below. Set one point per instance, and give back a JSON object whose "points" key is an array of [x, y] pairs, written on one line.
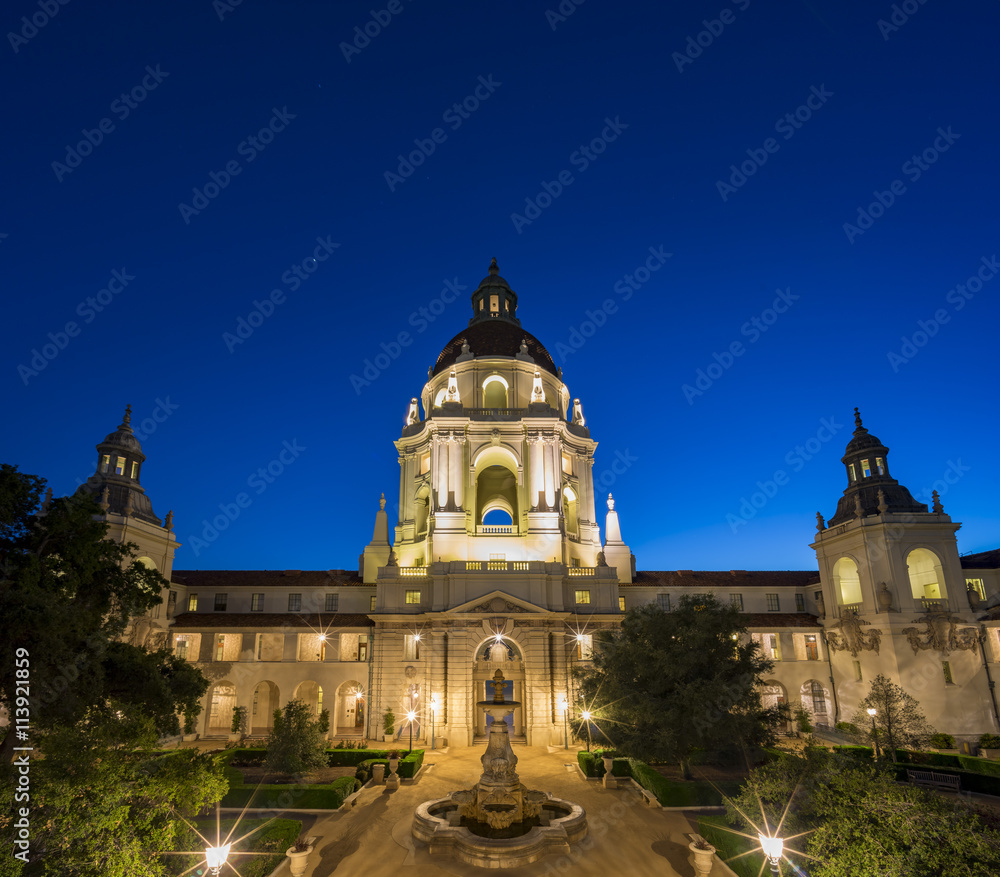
{"points": [[676, 793], [246, 756], [856, 751], [980, 765], [971, 780], [314, 796], [592, 765], [407, 770], [730, 845], [931, 759]]}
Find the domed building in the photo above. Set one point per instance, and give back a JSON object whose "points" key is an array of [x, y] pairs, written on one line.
{"points": [[497, 561]]}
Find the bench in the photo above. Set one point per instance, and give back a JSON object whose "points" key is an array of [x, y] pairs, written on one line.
{"points": [[946, 781]]}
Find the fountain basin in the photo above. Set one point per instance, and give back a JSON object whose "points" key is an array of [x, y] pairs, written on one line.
{"points": [[438, 823]]}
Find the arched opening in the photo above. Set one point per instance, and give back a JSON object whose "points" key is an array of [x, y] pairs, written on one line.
{"points": [[496, 489], [494, 392], [497, 515], [773, 696], [311, 694], [500, 652], [420, 512], [221, 700], [350, 708], [571, 511], [262, 707], [816, 701], [439, 398], [926, 575], [847, 582]]}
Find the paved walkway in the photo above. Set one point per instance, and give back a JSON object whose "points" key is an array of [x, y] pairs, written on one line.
{"points": [[625, 837]]}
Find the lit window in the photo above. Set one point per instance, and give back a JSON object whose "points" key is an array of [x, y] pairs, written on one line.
{"points": [[411, 647], [182, 647], [818, 698], [880, 465], [866, 470], [850, 471], [120, 466], [567, 464], [773, 647], [294, 602], [363, 647], [425, 464], [332, 601], [220, 602], [773, 603], [946, 667], [192, 602], [413, 598], [663, 601], [584, 646], [812, 648], [254, 702], [737, 601], [220, 647], [371, 603], [494, 304], [106, 463], [135, 469], [257, 603], [800, 603], [977, 586], [621, 604], [857, 671], [583, 596]]}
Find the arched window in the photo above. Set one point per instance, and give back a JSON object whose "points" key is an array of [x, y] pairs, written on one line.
{"points": [[571, 511], [847, 581], [494, 392], [926, 575]]}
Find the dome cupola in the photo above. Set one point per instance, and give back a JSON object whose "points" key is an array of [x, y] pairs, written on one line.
{"points": [[494, 299]]}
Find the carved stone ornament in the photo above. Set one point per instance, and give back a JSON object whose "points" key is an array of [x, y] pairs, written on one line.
{"points": [[498, 604], [940, 633], [847, 635], [410, 672]]}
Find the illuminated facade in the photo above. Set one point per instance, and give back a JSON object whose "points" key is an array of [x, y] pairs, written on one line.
{"points": [[445, 595]]}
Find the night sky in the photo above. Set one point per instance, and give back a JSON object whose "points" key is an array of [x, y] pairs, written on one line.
{"points": [[274, 196]]}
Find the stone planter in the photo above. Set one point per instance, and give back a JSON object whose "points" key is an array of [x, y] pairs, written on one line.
{"points": [[297, 860], [989, 753], [235, 738], [189, 738], [703, 859], [608, 764], [392, 781], [378, 774]]}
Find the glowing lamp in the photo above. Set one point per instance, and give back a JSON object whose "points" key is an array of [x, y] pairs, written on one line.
{"points": [[322, 637], [563, 705], [410, 715], [772, 847], [586, 715], [215, 857], [871, 711], [416, 637]]}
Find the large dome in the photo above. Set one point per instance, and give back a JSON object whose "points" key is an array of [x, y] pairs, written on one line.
{"points": [[494, 338]]}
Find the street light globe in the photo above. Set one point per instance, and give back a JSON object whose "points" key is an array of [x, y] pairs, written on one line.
{"points": [[215, 857], [586, 715], [434, 702], [416, 637], [871, 711], [410, 715], [563, 705], [771, 846], [322, 637]]}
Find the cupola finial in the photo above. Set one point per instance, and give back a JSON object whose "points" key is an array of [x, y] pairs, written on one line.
{"points": [[494, 268], [127, 419], [857, 419]]}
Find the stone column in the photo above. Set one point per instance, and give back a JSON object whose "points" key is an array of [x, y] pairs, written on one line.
{"points": [[456, 446], [536, 471]]}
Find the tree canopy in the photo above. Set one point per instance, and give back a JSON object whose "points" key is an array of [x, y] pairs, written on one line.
{"points": [[295, 745], [898, 718], [667, 683]]}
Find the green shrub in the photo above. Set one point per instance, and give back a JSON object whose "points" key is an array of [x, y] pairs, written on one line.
{"points": [[590, 764], [929, 759], [847, 728], [980, 765], [353, 757], [989, 741], [272, 836], [388, 722], [942, 741], [325, 796], [856, 751], [294, 745], [680, 793], [246, 757], [716, 831], [971, 781]]}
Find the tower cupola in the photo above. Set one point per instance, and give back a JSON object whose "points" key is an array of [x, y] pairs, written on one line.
{"points": [[494, 299], [870, 489]]}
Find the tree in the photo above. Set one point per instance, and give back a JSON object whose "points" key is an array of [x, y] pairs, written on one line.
{"points": [[854, 818], [667, 683], [67, 596], [898, 718], [295, 745]]}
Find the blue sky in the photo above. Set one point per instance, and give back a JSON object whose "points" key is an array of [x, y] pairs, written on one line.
{"points": [[825, 187]]}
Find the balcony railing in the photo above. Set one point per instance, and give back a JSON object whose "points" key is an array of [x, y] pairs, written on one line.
{"points": [[933, 605], [413, 571], [495, 530], [581, 570], [853, 608]]}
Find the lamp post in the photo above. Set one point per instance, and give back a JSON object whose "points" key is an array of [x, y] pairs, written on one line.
{"points": [[215, 858], [410, 716], [564, 706], [772, 847], [434, 704], [871, 712], [586, 717]]}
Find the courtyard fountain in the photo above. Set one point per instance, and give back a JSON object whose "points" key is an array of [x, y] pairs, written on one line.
{"points": [[499, 822]]}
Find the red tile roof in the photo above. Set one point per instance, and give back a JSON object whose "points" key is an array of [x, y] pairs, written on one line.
{"points": [[736, 578], [982, 560], [267, 578], [316, 621]]}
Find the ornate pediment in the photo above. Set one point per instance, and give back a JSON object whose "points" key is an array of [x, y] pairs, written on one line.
{"points": [[499, 603], [941, 633], [848, 635]]}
